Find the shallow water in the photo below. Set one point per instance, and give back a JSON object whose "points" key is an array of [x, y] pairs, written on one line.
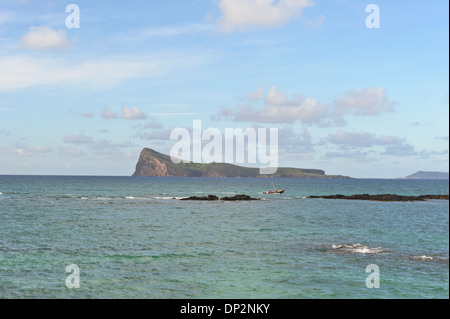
{"points": [[133, 238]]}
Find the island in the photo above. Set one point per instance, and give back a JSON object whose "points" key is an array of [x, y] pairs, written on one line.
{"points": [[153, 163], [428, 175]]}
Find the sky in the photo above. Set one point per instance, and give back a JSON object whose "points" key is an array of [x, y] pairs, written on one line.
{"points": [[356, 92]]}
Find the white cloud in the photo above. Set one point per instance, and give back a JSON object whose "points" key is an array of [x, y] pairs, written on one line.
{"points": [[45, 38], [23, 71], [133, 114], [107, 114], [127, 114], [280, 109], [364, 102], [257, 94], [352, 143], [242, 14]]}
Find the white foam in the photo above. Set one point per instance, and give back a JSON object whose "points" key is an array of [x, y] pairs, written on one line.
{"points": [[424, 257], [1, 193], [130, 197], [104, 198], [431, 258], [357, 249]]}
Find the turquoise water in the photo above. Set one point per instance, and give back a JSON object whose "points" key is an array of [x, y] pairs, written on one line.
{"points": [[134, 238]]}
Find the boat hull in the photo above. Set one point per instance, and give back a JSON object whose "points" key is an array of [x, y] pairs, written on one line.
{"points": [[274, 192]]}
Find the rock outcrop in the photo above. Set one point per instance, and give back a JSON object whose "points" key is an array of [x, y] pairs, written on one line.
{"points": [[208, 198], [239, 197], [226, 198]]}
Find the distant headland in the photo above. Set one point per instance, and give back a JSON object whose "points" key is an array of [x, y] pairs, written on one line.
{"points": [[428, 175], [153, 163]]}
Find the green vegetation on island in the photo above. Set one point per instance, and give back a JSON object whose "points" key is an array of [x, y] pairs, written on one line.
{"points": [[153, 163]]}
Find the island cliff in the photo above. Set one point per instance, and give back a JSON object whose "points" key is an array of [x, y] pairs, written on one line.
{"points": [[153, 163]]}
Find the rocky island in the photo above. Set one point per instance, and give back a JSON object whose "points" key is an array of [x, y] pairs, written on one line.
{"points": [[153, 163]]}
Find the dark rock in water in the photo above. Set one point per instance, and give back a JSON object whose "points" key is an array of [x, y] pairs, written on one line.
{"points": [[209, 198], [239, 197], [384, 197]]}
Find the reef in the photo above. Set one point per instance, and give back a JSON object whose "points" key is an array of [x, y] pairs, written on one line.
{"points": [[214, 197]]}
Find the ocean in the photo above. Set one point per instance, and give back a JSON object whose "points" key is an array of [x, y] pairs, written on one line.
{"points": [[132, 237]]}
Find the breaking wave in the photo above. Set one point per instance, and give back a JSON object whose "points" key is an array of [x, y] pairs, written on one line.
{"points": [[355, 249], [430, 258], [366, 250]]}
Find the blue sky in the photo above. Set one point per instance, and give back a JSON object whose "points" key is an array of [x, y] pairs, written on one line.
{"points": [[352, 100]]}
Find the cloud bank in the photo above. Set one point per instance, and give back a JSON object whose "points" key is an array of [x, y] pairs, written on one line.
{"points": [[278, 108]]}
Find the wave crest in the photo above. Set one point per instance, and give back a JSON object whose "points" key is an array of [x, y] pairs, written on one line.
{"points": [[356, 249], [430, 258]]}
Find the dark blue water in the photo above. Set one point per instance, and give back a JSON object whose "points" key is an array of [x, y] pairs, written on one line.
{"points": [[133, 238]]}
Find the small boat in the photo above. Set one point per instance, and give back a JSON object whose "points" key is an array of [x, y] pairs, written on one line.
{"points": [[275, 191]]}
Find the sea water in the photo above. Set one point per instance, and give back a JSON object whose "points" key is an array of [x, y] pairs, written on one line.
{"points": [[132, 237]]}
